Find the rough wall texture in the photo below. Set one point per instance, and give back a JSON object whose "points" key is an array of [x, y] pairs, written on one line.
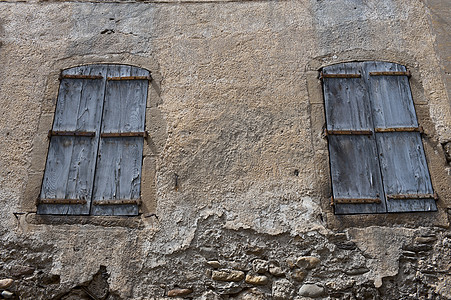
{"points": [[235, 111]]}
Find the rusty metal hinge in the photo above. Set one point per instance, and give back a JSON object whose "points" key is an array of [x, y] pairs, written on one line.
{"points": [[389, 73], [130, 78], [71, 133], [117, 202], [143, 134], [66, 76], [400, 129], [412, 196], [347, 132], [62, 201], [354, 200], [323, 75]]}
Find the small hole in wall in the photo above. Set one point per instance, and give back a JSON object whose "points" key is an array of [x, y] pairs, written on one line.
{"points": [[107, 31], [296, 172]]}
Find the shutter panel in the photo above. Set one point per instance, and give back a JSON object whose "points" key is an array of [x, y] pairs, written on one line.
{"points": [[407, 183], [355, 172], [118, 173], [69, 172]]}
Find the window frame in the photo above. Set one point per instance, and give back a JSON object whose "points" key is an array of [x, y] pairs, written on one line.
{"points": [[363, 205], [119, 73]]}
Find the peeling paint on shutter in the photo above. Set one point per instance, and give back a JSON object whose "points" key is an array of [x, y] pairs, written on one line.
{"points": [[69, 172], [401, 153], [355, 172], [118, 174]]}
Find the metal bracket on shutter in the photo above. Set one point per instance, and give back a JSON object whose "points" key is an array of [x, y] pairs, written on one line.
{"points": [[117, 202], [71, 133], [80, 77], [143, 134], [130, 78], [412, 196], [62, 201], [323, 75], [400, 129], [391, 74], [348, 132], [334, 201]]}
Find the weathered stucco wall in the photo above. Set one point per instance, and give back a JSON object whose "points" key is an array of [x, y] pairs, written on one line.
{"points": [[235, 110]]}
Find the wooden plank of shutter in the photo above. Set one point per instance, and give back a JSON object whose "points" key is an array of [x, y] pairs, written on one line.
{"points": [[390, 97], [355, 175], [403, 163], [118, 174], [355, 172], [70, 163], [346, 100], [404, 170]]}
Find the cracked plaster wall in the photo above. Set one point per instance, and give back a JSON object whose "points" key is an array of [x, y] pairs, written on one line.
{"points": [[235, 121]]}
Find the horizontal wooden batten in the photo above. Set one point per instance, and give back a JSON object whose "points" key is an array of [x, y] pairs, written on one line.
{"points": [[130, 78], [81, 77], [400, 129], [412, 196], [124, 134], [407, 73], [71, 133], [118, 202], [62, 201], [334, 201], [323, 75], [349, 132]]}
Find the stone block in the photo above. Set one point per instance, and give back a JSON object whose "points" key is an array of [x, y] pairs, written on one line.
{"points": [[307, 262], [227, 275], [179, 292], [6, 283], [256, 279], [311, 290]]}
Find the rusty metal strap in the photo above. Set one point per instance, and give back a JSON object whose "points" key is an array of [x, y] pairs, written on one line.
{"points": [[354, 200], [323, 75], [71, 133], [117, 202], [130, 78], [412, 196], [348, 132], [391, 74], [62, 201], [400, 129], [81, 76], [143, 134]]}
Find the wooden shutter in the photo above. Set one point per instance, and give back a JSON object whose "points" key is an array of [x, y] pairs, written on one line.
{"points": [[406, 179], [69, 172], [118, 174], [355, 171]]}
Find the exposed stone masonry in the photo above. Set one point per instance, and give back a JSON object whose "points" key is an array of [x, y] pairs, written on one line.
{"points": [[235, 187]]}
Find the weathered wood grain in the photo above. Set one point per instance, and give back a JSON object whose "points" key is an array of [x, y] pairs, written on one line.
{"points": [[346, 99], [404, 170], [390, 97], [388, 162], [355, 173]]}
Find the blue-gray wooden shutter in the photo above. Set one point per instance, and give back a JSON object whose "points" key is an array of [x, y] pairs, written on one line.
{"points": [[405, 174], [118, 173], [69, 172], [355, 172]]}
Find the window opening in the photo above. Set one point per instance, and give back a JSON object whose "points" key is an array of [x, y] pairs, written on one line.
{"points": [[377, 158], [96, 142]]}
